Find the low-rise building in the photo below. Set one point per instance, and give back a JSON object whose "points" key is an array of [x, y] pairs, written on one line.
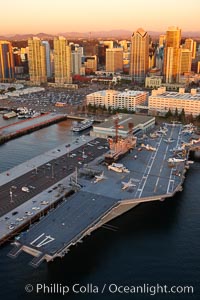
{"points": [[139, 123], [162, 100], [115, 99], [153, 82]]}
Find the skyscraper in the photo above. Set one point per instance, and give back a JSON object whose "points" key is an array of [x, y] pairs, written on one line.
{"points": [[191, 45], [77, 55], [90, 63], [62, 61], [6, 61], [162, 39], [185, 61], [139, 55], [48, 59], [114, 60], [37, 61], [172, 55]]}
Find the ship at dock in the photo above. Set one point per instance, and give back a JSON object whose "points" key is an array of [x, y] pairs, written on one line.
{"points": [[80, 126], [120, 146], [95, 193]]}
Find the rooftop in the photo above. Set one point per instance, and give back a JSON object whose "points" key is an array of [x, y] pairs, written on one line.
{"points": [[178, 96], [124, 120], [126, 93]]}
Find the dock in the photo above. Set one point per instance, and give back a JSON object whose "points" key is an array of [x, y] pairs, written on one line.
{"points": [[94, 203], [20, 128]]}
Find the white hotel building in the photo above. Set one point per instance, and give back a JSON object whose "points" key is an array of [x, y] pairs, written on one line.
{"points": [[115, 99], [162, 100]]}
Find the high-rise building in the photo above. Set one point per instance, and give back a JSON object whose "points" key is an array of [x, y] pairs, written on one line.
{"points": [[90, 64], [48, 58], [77, 55], [62, 61], [125, 45], [114, 60], [185, 61], [139, 55], [191, 45], [162, 39], [101, 53], [172, 55], [159, 58], [6, 61], [37, 61], [109, 44]]}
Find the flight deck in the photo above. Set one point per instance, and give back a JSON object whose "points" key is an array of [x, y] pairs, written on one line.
{"points": [[154, 170]]}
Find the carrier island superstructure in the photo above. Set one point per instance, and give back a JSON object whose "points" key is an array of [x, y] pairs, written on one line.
{"points": [[152, 170]]}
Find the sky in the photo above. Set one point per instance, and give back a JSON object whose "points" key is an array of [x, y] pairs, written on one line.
{"points": [[59, 16]]}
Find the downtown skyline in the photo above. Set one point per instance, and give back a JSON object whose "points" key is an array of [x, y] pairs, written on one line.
{"points": [[45, 16]]}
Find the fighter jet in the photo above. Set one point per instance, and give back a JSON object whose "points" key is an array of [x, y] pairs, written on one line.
{"points": [[176, 160], [154, 135], [99, 177], [188, 125], [192, 142], [178, 149], [127, 185], [162, 130], [148, 147], [169, 140]]}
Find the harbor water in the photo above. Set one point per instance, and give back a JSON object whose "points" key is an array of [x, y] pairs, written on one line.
{"points": [[154, 244]]}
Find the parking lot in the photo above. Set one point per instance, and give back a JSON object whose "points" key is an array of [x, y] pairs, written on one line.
{"points": [[45, 101]]}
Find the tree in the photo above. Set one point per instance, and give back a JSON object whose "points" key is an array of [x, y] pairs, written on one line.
{"points": [[169, 114], [197, 118], [89, 107], [11, 89], [182, 118], [176, 114], [104, 108], [109, 110], [190, 118]]}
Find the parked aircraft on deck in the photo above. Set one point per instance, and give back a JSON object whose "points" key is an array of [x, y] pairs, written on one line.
{"points": [[127, 185], [99, 177]]}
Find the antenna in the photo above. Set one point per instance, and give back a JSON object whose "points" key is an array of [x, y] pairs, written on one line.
{"points": [[76, 175], [116, 129], [130, 127]]}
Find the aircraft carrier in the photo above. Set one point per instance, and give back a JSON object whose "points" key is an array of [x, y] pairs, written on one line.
{"points": [[100, 193]]}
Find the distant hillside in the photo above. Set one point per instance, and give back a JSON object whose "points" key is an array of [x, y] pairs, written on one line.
{"points": [[120, 34]]}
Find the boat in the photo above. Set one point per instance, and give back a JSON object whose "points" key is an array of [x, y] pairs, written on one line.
{"points": [[80, 126], [9, 115], [22, 111], [21, 116]]}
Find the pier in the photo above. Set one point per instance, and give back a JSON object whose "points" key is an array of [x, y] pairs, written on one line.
{"points": [[20, 128]]}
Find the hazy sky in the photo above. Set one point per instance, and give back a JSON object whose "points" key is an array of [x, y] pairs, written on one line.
{"points": [[54, 16]]}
